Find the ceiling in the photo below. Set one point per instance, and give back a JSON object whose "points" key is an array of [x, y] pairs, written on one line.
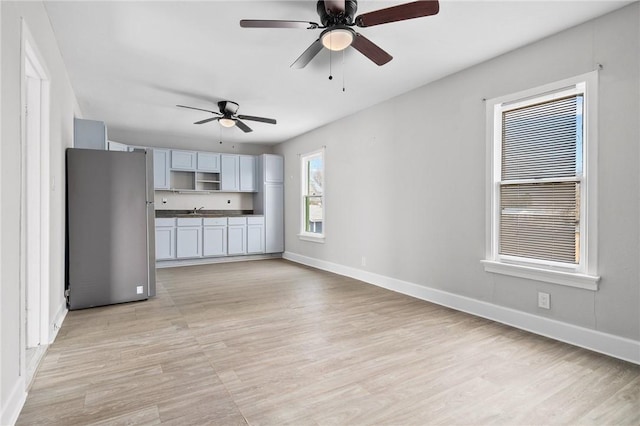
{"points": [[130, 63]]}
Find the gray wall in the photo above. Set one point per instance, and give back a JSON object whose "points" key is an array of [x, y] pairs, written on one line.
{"points": [[63, 109], [405, 180]]}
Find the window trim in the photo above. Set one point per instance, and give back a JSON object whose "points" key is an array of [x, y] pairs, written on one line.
{"points": [[304, 235], [583, 275]]}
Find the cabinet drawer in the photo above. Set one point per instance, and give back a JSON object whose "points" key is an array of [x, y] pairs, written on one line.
{"points": [[212, 221], [168, 221], [189, 221], [237, 220], [255, 220]]}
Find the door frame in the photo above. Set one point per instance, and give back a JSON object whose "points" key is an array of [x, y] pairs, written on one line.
{"points": [[37, 69]]}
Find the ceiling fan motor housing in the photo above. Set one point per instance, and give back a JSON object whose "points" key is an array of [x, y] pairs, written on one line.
{"points": [[343, 18], [228, 108]]}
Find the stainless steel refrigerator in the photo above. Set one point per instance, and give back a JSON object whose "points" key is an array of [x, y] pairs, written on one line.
{"points": [[110, 253]]}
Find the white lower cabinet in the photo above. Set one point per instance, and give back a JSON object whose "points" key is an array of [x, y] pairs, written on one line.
{"points": [[214, 237], [165, 239], [255, 235], [189, 238], [237, 235]]}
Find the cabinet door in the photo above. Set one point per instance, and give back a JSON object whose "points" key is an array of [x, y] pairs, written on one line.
{"points": [[117, 146], [229, 172], [165, 243], [208, 162], [274, 217], [188, 242], [236, 239], [89, 134], [273, 168], [183, 160], [161, 168], [214, 241], [255, 239], [247, 173]]}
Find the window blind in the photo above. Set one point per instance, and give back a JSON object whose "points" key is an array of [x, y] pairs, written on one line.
{"points": [[540, 181]]}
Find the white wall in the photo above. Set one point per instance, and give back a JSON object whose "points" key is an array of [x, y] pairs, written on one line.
{"points": [[405, 181], [177, 201], [63, 108]]}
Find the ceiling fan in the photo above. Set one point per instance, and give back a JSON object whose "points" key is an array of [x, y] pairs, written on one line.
{"points": [[227, 117], [337, 17]]}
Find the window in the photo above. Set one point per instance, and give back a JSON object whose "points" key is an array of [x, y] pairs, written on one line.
{"points": [[542, 185], [313, 222]]}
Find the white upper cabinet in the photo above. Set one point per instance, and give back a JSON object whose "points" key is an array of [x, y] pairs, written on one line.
{"points": [[183, 160], [181, 170], [247, 173], [89, 134], [229, 172], [117, 146], [208, 162], [273, 168], [161, 169]]}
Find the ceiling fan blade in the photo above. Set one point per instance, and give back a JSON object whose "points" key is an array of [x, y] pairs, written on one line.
{"points": [[370, 50], [402, 12], [308, 55], [243, 126], [334, 6], [199, 109], [207, 120], [260, 119], [262, 23]]}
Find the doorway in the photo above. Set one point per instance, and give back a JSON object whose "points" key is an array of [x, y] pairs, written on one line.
{"points": [[35, 205]]}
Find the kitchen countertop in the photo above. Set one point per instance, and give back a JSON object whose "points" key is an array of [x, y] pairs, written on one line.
{"points": [[204, 213]]}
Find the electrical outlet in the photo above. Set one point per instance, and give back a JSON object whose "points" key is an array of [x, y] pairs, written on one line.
{"points": [[544, 300], [364, 261]]}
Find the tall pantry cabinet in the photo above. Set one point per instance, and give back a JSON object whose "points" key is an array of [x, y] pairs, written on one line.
{"points": [[269, 200]]}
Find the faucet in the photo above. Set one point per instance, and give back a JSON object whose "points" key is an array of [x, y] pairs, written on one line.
{"points": [[196, 210]]}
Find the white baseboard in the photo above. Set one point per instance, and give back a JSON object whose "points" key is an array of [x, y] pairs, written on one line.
{"points": [[597, 341], [211, 260], [14, 403], [54, 327]]}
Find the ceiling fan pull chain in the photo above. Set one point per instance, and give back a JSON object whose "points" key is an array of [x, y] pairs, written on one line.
{"points": [[344, 70], [330, 76]]}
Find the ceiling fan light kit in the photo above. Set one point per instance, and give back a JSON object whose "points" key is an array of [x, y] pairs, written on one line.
{"points": [[337, 18], [227, 122], [337, 39]]}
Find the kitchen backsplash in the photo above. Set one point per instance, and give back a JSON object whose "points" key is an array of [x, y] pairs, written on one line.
{"points": [[219, 201]]}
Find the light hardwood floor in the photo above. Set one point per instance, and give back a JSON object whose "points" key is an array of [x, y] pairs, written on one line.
{"points": [[272, 343]]}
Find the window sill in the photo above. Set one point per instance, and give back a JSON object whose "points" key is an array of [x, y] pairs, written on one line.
{"points": [[571, 279], [311, 238]]}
